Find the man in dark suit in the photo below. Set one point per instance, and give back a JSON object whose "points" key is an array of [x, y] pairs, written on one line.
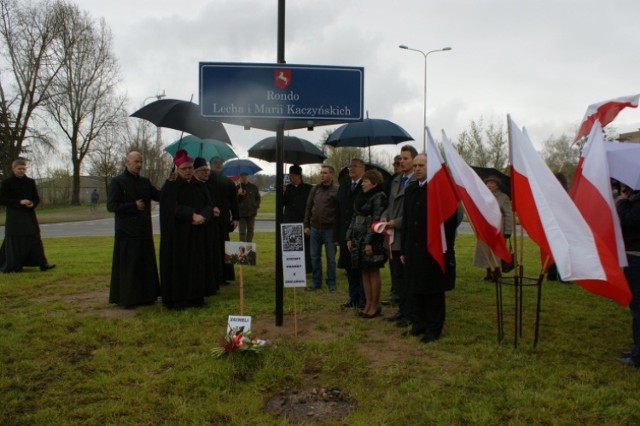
{"points": [[347, 193], [250, 255], [393, 216], [426, 281], [295, 198]]}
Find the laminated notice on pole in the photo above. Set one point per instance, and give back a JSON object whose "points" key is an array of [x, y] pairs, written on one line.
{"points": [[293, 267]]}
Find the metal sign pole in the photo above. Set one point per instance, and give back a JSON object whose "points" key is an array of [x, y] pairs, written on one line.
{"points": [[279, 179]]}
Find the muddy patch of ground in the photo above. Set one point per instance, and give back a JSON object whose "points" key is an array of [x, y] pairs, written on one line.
{"points": [[310, 404]]}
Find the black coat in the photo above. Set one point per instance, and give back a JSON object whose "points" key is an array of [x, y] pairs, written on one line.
{"points": [[186, 270], [295, 202], [21, 220], [344, 213], [423, 273], [134, 271], [226, 199], [22, 245]]}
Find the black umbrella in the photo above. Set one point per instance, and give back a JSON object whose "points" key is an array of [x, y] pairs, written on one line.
{"points": [[485, 172], [344, 173], [296, 151], [184, 116]]}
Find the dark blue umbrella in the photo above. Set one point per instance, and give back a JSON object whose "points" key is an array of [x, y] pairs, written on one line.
{"points": [[236, 167], [368, 132]]}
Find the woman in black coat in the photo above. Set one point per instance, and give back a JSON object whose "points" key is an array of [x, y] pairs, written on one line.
{"points": [[366, 246]]}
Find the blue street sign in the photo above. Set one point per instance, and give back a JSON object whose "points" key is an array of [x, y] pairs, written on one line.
{"points": [[309, 93]]}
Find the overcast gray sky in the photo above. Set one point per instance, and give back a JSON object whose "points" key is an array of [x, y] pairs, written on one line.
{"points": [[541, 61]]}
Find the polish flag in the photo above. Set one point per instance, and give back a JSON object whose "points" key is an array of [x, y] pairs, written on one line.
{"points": [[594, 197], [605, 112], [442, 201], [554, 222], [480, 204]]}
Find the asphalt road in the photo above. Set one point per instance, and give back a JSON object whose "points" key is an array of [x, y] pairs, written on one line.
{"points": [[104, 227]]}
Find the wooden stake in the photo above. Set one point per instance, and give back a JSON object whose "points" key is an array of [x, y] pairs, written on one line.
{"points": [[241, 291]]}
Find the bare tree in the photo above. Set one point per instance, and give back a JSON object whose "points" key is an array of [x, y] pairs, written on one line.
{"points": [[105, 157], [84, 103], [27, 70], [142, 138], [484, 148], [339, 157], [561, 155]]}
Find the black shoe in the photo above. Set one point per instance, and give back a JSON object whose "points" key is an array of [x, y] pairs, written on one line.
{"points": [[378, 313], [395, 317], [427, 338], [312, 288], [625, 354], [403, 323], [47, 266], [412, 332], [349, 304]]}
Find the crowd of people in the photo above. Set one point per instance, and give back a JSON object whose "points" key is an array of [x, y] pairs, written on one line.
{"points": [[371, 222], [363, 220], [198, 210]]}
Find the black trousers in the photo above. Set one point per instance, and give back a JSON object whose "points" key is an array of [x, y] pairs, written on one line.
{"points": [[428, 313]]}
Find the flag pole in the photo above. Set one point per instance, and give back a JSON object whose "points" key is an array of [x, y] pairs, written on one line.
{"points": [[497, 278]]}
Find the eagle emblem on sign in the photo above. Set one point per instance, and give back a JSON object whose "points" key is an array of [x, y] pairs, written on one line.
{"points": [[282, 78]]}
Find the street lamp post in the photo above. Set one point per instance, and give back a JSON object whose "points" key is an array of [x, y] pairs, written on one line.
{"points": [[158, 131], [424, 125]]}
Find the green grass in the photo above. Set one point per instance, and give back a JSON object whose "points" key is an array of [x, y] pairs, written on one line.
{"points": [[267, 208], [66, 214], [67, 357]]}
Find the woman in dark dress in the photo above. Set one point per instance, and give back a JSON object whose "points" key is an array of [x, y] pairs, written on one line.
{"points": [[366, 246]]}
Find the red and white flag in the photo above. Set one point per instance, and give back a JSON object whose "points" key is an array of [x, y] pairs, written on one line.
{"points": [[605, 112], [442, 201], [480, 204], [593, 196], [554, 222]]}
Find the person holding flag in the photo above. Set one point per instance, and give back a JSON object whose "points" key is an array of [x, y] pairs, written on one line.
{"points": [[427, 279]]}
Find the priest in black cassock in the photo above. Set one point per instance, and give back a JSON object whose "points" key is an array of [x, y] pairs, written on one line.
{"points": [[295, 204], [134, 272], [22, 245], [186, 270], [201, 172], [227, 203]]}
